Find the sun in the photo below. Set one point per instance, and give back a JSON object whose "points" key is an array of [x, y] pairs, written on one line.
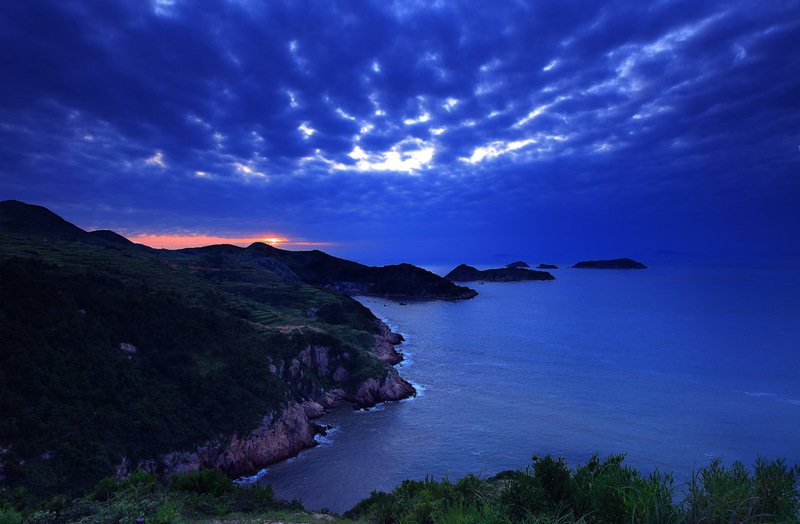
{"points": [[273, 240]]}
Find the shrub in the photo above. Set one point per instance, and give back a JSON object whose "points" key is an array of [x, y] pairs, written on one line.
{"points": [[650, 500], [555, 479], [105, 489], [776, 487], [140, 483], [599, 488], [204, 482], [720, 494], [523, 496], [10, 516]]}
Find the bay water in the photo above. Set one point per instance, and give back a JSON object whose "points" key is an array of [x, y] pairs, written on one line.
{"points": [[673, 365]]}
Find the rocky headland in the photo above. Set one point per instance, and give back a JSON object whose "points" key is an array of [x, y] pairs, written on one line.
{"points": [[617, 263], [174, 360], [465, 273], [290, 430]]}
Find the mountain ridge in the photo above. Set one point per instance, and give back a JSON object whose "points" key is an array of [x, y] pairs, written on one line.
{"points": [[118, 356]]}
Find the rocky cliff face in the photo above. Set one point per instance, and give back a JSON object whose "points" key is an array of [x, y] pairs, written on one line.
{"points": [[275, 439], [285, 434]]}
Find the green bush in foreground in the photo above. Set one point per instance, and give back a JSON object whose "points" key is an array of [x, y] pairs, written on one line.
{"points": [[597, 492], [548, 491], [188, 497]]}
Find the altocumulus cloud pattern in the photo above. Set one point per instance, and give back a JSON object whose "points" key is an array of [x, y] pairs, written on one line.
{"points": [[574, 126]]}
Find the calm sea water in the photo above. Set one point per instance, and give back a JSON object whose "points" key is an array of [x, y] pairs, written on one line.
{"points": [[673, 365]]}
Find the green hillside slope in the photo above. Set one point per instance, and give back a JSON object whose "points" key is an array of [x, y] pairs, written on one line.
{"points": [[111, 350]]}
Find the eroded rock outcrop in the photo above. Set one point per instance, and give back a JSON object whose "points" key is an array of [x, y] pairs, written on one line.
{"points": [[285, 434], [392, 387], [278, 437], [384, 346]]}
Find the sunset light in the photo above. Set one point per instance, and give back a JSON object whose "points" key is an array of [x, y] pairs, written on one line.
{"points": [[185, 241], [577, 220], [273, 240]]}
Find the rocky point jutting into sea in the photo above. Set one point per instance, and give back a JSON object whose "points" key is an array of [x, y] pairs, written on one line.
{"points": [[285, 434], [173, 360]]}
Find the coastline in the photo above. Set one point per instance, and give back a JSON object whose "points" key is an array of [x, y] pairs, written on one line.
{"points": [[285, 434]]}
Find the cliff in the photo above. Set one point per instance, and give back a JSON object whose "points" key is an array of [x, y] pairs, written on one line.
{"points": [[217, 356], [465, 273], [617, 263], [288, 431]]}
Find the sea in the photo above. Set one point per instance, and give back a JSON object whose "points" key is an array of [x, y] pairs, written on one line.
{"points": [[675, 366]]}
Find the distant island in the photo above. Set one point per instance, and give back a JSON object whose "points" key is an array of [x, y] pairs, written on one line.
{"points": [[518, 263], [546, 266], [617, 263], [465, 273]]}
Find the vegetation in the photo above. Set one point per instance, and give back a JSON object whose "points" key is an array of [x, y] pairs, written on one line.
{"points": [[597, 492], [113, 350], [396, 281], [188, 497], [547, 492]]}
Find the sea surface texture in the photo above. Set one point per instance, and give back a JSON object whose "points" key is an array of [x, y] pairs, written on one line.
{"points": [[674, 365]]}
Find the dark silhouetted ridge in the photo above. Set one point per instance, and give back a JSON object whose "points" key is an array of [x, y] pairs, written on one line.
{"points": [[21, 218], [394, 281], [617, 263], [110, 236], [465, 273]]}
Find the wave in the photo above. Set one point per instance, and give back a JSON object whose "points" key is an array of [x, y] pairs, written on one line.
{"points": [[246, 481], [420, 391], [327, 438]]}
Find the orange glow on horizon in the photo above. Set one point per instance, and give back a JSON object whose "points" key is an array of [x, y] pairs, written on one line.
{"points": [[272, 241], [180, 242]]}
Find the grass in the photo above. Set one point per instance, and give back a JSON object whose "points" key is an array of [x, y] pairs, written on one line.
{"points": [[600, 491], [201, 496]]}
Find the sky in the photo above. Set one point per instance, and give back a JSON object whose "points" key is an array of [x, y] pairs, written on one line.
{"points": [[410, 130]]}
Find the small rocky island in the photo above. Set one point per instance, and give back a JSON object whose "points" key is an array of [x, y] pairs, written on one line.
{"points": [[546, 266], [518, 263], [465, 273], [617, 263]]}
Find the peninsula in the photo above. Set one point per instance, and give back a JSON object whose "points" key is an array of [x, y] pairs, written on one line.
{"points": [[118, 357]]}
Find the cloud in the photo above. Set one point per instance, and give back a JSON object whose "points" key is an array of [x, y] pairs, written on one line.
{"points": [[226, 112]]}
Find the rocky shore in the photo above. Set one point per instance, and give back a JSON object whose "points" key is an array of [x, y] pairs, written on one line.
{"points": [[284, 434]]}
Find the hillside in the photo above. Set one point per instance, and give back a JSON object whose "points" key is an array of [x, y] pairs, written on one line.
{"points": [[117, 356], [394, 281]]}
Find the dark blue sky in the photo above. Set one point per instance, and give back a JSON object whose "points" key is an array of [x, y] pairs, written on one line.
{"points": [[411, 130]]}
